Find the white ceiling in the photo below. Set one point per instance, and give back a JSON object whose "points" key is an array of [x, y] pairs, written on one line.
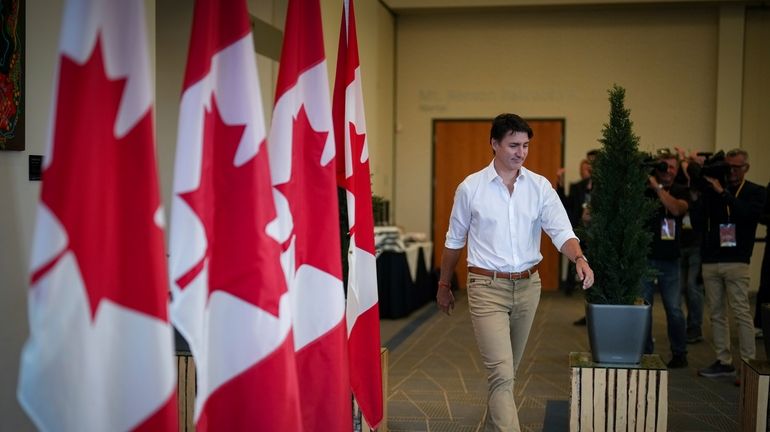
{"points": [[417, 6]]}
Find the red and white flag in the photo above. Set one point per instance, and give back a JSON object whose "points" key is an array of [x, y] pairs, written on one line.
{"points": [[230, 299], [100, 354], [363, 316], [302, 149]]}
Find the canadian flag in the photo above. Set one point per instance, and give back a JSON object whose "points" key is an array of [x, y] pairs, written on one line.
{"points": [[100, 353], [363, 316], [302, 150], [230, 298]]}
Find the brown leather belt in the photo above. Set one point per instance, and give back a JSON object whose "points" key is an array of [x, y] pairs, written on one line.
{"points": [[504, 275]]}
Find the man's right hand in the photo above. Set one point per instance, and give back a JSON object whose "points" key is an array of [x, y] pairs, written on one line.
{"points": [[444, 298]]}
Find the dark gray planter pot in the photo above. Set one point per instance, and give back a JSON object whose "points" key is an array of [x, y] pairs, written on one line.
{"points": [[617, 333]]}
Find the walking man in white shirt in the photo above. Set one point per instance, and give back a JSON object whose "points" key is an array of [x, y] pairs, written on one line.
{"points": [[500, 211]]}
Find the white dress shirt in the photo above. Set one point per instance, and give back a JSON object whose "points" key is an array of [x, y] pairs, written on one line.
{"points": [[503, 229]]}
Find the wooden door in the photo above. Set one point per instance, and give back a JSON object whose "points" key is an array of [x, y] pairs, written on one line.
{"points": [[461, 147]]}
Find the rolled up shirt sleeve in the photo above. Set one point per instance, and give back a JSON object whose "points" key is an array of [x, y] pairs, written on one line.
{"points": [[460, 219]]}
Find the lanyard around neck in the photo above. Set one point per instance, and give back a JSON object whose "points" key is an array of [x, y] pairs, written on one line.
{"points": [[738, 192]]}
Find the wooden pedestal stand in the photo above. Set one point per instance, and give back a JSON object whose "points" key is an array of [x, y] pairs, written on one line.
{"points": [[609, 397]]}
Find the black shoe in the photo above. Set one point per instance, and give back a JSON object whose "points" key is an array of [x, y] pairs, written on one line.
{"points": [[580, 322], [678, 361], [694, 339], [717, 369]]}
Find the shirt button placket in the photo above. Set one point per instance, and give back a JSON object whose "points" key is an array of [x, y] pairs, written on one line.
{"points": [[512, 229]]}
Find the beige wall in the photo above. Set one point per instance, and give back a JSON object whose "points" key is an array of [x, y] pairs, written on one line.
{"points": [[559, 63], [755, 110], [551, 64], [756, 94]]}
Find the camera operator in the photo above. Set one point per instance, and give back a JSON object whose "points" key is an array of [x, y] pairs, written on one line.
{"points": [[732, 207], [665, 226], [690, 244]]}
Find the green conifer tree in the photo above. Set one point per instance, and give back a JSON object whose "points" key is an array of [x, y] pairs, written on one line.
{"points": [[618, 239]]}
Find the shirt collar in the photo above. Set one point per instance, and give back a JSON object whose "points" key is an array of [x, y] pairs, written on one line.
{"points": [[490, 173]]}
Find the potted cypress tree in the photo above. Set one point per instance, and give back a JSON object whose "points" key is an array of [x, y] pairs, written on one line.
{"points": [[618, 242]]}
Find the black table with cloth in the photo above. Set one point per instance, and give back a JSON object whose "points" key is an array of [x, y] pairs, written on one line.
{"points": [[403, 289]]}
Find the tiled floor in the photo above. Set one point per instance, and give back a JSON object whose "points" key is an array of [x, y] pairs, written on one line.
{"points": [[437, 382]]}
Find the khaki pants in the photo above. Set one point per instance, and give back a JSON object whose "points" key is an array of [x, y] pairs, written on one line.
{"points": [[728, 284], [502, 312]]}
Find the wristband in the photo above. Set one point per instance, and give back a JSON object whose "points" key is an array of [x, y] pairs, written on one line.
{"points": [[581, 257], [444, 284]]}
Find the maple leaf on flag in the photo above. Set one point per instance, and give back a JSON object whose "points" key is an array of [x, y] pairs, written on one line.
{"points": [[308, 177], [107, 207], [238, 263], [361, 187]]}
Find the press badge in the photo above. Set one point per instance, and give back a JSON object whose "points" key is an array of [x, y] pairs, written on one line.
{"points": [[686, 222], [727, 235], [668, 229]]}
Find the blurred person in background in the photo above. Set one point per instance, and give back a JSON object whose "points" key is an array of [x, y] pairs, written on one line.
{"points": [[732, 206], [576, 204], [664, 256], [690, 243]]}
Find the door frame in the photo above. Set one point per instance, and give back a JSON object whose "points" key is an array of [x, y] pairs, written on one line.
{"points": [[438, 248]]}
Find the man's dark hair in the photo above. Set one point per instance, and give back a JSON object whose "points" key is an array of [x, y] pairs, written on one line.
{"points": [[505, 123]]}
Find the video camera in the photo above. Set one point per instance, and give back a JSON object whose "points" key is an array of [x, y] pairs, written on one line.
{"points": [[715, 167], [653, 164]]}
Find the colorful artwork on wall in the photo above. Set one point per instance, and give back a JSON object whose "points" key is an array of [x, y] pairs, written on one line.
{"points": [[12, 74]]}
